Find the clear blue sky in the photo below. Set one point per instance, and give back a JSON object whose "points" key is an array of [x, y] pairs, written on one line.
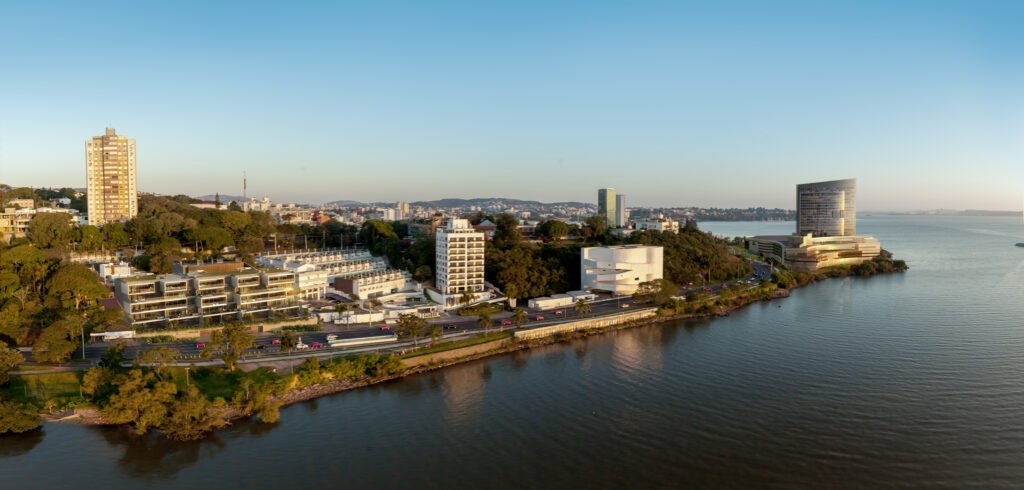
{"points": [[672, 103]]}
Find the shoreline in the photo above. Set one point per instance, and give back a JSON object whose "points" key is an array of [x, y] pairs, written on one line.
{"points": [[91, 416]]}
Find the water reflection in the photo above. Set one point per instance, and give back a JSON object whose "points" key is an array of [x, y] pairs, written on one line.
{"points": [[18, 444], [635, 353], [463, 393], [154, 456]]}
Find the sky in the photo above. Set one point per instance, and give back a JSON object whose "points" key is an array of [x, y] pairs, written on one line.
{"points": [[724, 103]]}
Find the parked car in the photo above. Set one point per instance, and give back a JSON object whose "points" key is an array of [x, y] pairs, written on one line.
{"points": [[449, 327], [200, 346], [624, 305], [538, 317], [316, 345], [332, 337], [559, 312], [275, 342], [385, 328], [506, 322]]}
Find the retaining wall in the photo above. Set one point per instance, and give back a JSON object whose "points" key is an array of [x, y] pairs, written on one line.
{"points": [[586, 324]]}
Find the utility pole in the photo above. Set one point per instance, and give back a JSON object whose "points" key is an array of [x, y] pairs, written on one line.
{"points": [[83, 341]]}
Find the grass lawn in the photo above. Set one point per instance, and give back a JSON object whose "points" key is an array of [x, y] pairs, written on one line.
{"points": [[479, 339], [480, 309], [37, 388], [217, 382]]}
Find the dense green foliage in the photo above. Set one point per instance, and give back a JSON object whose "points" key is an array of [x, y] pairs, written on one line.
{"points": [[229, 343], [526, 270], [42, 297], [17, 417], [10, 359]]}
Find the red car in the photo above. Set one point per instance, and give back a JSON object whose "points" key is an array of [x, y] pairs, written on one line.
{"points": [[200, 346], [385, 328], [316, 345], [275, 342], [538, 317], [506, 322]]}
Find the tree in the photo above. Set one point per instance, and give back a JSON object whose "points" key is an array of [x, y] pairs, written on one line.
{"points": [[75, 284], [9, 360], [50, 230], [485, 322], [519, 317], [115, 235], [140, 400], [89, 238], [288, 341], [466, 297], [57, 342], [158, 358], [412, 325], [230, 343], [435, 334], [552, 230], [192, 416], [595, 227], [582, 307], [506, 231], [423, 273], [17, 418], [214, 238]]}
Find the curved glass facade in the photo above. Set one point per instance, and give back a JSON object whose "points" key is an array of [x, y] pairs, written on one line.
{"points": [[827, 208]]}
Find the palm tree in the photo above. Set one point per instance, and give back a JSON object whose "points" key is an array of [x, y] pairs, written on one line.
{"points": [[485, 322], [467, 297], [519, 317], [582, 307]]}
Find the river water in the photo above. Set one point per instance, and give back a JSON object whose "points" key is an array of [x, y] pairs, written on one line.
{"points": [[912, 380]]}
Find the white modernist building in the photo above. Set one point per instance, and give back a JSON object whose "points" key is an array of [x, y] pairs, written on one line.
{"points": [[658, 224], [460, 260], [620, 269]]}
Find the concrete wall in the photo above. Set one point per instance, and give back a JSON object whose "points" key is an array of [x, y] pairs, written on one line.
{"points": [[589, 323], [205, 331]]}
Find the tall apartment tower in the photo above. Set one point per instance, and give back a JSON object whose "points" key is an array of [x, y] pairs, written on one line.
{"points": [[827, 208], [111, 183], [606, 204], [621, 214], [460, 259]]}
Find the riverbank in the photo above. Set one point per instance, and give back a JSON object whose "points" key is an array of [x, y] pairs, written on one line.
{"points": [[311, 383]]}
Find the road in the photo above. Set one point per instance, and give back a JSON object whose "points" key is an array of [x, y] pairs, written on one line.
{"points": [[454, 325]]}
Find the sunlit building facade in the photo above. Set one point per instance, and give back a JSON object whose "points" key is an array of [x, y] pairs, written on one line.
{"points": [[827, 208], [111, 183]]}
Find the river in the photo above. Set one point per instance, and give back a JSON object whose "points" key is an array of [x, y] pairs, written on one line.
{"points": [[908, 380]]}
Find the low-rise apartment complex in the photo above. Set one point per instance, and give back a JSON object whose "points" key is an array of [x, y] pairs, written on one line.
{"points": [[197, 295]]}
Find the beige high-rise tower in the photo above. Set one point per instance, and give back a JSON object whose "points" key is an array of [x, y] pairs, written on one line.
{"points": [[111, 184]]}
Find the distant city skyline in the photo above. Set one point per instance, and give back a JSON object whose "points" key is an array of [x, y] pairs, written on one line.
{"points": [[728, 104]]}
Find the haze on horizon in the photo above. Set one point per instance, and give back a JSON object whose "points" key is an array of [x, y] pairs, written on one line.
{"points": [[727, 104]]}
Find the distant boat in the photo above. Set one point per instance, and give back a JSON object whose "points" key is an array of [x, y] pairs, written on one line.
{"points": [[1020, 244]]}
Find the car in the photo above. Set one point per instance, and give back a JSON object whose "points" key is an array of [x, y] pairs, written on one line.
{"points": [[506, 322], [200, 346], [385, 328], [332, 337], [538, 317], [724, 285], [316, 345], [275, 342], [450, 327], [559, 312], [624, 305]]}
